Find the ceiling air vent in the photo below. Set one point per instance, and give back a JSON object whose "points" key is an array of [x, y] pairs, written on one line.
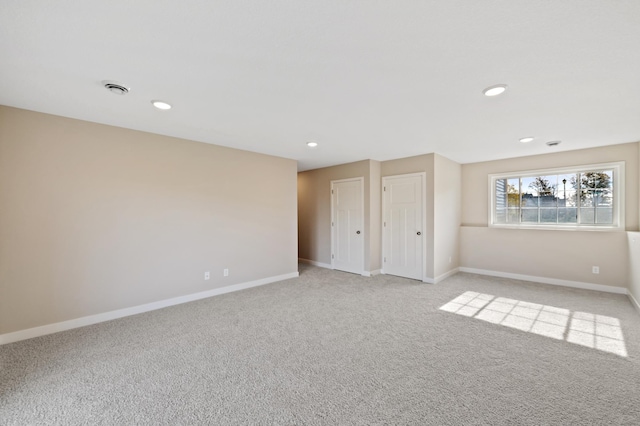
{"points": [[115, 87]]}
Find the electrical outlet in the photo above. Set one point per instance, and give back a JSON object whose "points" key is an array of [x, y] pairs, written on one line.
{"points": [[225, 272], [207, 275], [595, 269]]}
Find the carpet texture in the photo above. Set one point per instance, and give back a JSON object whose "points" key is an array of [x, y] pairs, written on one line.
{"points": [[329, 348]]}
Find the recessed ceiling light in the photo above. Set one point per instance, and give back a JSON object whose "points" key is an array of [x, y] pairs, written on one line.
{"points": [[553, 143], [115, 87], [312, 144], [161, 105], [495, 90], [527, 139]]}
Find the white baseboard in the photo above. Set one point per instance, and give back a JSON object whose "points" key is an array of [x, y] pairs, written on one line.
{"points": [[314, 263], [376, 272], [634, 302], [544, 280], [439, 278], [120, 313], [446, 275]]}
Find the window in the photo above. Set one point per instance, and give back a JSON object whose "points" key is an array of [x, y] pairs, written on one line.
{"points": [[581, 197]]}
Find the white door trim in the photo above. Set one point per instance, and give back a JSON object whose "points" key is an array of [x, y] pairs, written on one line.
{"points": [[423, 176], [333, 242]]}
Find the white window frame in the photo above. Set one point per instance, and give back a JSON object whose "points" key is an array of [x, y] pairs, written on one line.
{"points": [[618, 197]]}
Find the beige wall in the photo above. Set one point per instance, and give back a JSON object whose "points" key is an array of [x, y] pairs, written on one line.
{"points": [[567, 255], [447, 215], [375, 221], [633, 241], [314, 210], [96, 218], [634, 252], [564, 255]]}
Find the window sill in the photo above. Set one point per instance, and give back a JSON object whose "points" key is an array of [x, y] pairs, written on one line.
{"points": [[604, 228]]}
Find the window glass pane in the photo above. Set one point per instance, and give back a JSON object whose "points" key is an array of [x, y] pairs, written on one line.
{"points": [[567, 199], [548, 201], [587, 216], [529, 194], [501, 185], [548, 215], [596, 180], [603, 198], [526, 183], [529, 200], [501, 193], [586, 198], [513, 216], [512, 194], [604, 216], [546, 185], [530, 215], [567, 215], [567, 182], [578, 198]]}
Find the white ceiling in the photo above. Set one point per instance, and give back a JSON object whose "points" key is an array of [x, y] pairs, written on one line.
{"points": [[365, 79]]}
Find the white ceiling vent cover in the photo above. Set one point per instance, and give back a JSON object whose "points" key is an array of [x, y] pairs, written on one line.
{"points": [[115, 87]]}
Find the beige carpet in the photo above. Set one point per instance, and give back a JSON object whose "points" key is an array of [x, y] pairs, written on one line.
{"points": [[336, 348]]}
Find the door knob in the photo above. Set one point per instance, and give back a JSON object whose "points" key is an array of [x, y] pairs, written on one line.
{"points": [[419, 233], [357, 232]]}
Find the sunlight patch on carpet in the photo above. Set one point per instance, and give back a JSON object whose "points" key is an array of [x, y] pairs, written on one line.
{"points": [[581, 328]]}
